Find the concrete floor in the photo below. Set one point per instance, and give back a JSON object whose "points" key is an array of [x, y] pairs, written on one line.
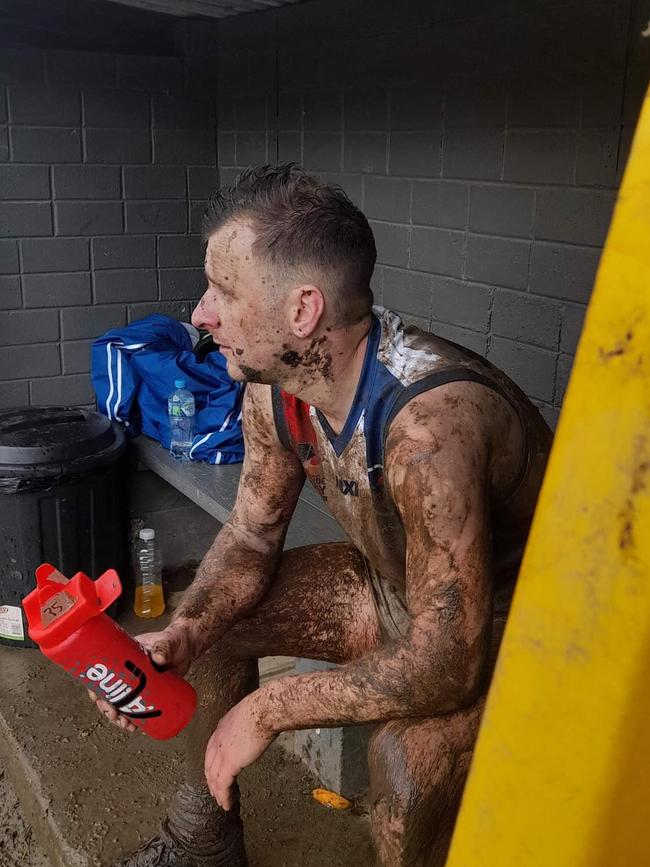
{"points": [[92, 793], [18, 848]]}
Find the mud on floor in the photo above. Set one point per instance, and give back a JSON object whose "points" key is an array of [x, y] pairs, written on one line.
{"points": [[285, 827], [106, 790]]}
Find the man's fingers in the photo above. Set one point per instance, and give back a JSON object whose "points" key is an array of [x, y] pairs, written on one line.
{"points": [[114, 716], [161, 652], [167, 649], [223, 794], [108, 710], [220, 782], [111, 714], [226, 800], [104, 707]]}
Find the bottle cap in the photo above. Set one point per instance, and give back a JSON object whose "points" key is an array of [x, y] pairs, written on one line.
{"points": [[147, 534], [179, 383]]}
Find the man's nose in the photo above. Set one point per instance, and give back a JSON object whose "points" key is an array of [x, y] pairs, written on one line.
{"points": [[205, 316], [197, 316]]}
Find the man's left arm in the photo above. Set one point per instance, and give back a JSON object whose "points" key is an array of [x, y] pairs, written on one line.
{"points": [[437, 471]]}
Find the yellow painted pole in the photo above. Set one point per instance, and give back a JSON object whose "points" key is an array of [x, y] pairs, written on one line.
{"points": [[561, 773]]}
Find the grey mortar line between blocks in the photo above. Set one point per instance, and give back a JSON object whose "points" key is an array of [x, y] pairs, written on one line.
{"points": [[506, 129], [626, 66], [555, 380], [466, 232], [410, 227], [277, 84], [82, 118], [563, 309], [19, 246], [533, 239], [488, 341], [389, 129]]}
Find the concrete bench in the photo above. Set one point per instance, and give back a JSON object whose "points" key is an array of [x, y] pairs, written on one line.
{"points": [[336, 756]]}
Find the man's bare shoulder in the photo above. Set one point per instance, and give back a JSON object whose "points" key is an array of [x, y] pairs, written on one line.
{"points": [[457, 409], [454, 431]]}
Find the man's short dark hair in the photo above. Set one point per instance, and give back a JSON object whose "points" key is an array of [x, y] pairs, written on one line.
{"points": [[300, 223]]}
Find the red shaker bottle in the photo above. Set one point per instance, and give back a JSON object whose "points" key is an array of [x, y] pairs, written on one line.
{"points": [[89, 645]]}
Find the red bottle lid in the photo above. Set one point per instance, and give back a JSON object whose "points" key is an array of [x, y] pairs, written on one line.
{"points": [[90, 598]]}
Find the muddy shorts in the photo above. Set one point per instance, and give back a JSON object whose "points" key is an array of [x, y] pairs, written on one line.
{"points": [[390, 604], [395, 620]]}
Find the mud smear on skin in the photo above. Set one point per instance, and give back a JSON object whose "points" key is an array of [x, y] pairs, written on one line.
{"points": [[323, 611], [319, 606], [290, 357], [251, 374], [316, 358], [229, 240], [418, 770], [259, 485], [221, 681]]}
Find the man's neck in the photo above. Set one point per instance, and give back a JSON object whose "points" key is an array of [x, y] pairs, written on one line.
{"points": [[331, 388]]}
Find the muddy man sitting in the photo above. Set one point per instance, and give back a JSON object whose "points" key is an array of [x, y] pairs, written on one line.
{"points": [[431, 461]]}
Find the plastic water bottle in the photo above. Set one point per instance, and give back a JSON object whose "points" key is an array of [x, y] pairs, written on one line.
{"points": [[149, 600], [181, 409]]}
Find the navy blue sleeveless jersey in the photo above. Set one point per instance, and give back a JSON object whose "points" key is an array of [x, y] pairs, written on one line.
{"points": [[347, 469]]}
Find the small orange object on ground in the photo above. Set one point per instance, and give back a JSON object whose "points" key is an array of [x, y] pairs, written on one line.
{"points": [[331, 799]]}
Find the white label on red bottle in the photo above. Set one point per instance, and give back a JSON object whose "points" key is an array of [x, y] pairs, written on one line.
{"points": [[115, 690], [11, 623], [56, 606]]}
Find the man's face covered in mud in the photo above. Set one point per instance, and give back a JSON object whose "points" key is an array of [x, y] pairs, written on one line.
{"points": [[242, 307]]}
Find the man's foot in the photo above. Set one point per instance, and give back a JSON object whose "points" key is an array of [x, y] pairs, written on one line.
{"points": [[164, 851], [196, 833]]}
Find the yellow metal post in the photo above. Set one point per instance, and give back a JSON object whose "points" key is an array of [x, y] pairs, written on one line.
{"points": [[561, 773]]}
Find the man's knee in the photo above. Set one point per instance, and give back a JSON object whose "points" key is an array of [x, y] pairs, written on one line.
{"points": [[221, 681], [221, 674]]}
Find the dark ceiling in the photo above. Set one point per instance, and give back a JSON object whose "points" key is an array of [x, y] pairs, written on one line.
{"points": [[86, 25]]}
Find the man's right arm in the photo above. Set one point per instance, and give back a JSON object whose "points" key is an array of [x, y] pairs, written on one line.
{"points": [[239, 566]]}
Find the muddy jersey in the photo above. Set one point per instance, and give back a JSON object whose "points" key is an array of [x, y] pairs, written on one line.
{"points": [[347, 469]]}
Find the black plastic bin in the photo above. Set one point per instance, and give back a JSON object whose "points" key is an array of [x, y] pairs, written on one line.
{"points": [[62, 501]]}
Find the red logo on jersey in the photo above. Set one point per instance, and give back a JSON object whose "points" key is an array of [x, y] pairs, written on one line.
{"points": [[303, 438]]}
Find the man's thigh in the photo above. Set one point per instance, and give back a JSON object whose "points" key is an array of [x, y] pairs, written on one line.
{"points": [[319, 606]]}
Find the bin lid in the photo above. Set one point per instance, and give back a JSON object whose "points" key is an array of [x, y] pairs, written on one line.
{"points": [[55, 434]]}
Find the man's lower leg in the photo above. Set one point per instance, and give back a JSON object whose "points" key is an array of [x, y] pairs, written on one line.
{"points": [[196, 831]]}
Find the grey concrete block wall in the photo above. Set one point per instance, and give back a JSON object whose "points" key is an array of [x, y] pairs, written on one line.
{"points": [[106, 158], [484, 144]]}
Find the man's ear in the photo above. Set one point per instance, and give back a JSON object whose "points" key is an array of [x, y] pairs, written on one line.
{"points": [[306, 305]]}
